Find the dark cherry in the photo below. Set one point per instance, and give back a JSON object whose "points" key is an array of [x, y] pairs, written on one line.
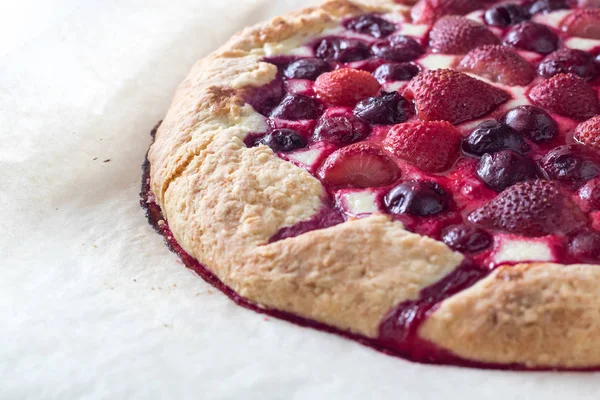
{"points": [[545, 6], [532, 122], [589, 194], [466, 238], [571, 164], [505, 168], [566, 61], [341, 130], [532, 36], [387, 109], [308, 68], [506, 14], [370, 24], [493, 136], [267, 97], [297, 106], [585, 246], [420, 198], [342, 50], [398, 48], [396, 72], [283, 140]]}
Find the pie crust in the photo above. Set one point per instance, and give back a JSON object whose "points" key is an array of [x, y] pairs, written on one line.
{"points": [[224, 201]]}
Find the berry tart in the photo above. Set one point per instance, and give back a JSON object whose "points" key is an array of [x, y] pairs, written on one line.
{"points": [[422, 177]]}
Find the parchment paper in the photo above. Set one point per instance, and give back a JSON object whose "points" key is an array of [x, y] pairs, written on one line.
{"points": [[92, 304]]}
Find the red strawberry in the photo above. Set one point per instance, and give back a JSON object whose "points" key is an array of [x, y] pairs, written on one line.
{"points": [[588, 133], [588, 3], [429, 11], [345, 87], [583, 23], [359, 165], [452, 96], [567, 95], [431, 146], [458, 35], [531, 208], [498, 64]]}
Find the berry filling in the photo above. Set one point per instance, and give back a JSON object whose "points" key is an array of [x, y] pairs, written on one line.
{"points": [[482, 133]]}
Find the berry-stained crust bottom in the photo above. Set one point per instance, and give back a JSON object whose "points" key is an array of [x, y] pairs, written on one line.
{"points": [[397, 334]]}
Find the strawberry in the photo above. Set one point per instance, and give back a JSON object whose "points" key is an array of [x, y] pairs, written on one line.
{"points": [[588, 3], [588, 133], [429, 11], [531, 208], [431, 146], [567, 95], [452, 96], [345, 87], [458, 35], [498, 64], [359, 165], [583, 23]]}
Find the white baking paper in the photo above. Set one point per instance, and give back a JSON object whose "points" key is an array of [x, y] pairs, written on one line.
{"points": [[92, 304]]}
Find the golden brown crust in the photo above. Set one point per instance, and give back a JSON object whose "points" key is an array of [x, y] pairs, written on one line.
{"points": [[346, 276], [540, 315], [223, 202]]}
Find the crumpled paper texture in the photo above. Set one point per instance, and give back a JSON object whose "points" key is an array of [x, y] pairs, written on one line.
{"points": [[92, 304]]}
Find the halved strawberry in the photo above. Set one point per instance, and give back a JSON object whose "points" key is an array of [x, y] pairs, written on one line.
{"points": [[567, 95], [498, 64], [431, 146], [452, 96], [359, 165], [531, 208], [429, 11], [583, 23], [458, 35], [588, 133], [345, 87]]}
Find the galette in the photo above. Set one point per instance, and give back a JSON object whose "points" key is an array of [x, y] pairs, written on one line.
{"points": [[422, 177]]}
